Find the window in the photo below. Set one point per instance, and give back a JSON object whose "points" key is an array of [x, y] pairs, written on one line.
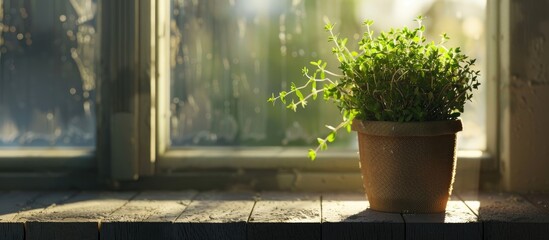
{"points": [[47, 73], [222, 59], [227, 57]]}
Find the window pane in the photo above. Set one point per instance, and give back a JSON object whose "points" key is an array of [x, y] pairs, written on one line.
{"points": [[47, 72], [228, 56]]}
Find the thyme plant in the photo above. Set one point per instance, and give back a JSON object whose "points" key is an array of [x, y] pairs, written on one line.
{"points": [[395, 76]]}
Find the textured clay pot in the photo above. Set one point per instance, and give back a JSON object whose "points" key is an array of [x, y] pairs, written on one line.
{"points": [[407, 167]]}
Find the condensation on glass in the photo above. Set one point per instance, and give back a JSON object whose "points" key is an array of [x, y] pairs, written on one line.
{"points": [[47, 73], [229, 56]]}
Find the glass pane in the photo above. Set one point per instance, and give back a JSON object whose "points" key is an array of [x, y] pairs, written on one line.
{"points": [[228, 56], [47, 72]]}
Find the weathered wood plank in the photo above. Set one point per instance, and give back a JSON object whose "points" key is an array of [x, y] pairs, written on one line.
{"points": [[347, 216], [153, 206], [42, 202], [276, 215], [286, 216], [147, 216], [214, 215], [76, 218], [11, 204], [508, 216], [39, 205], [539, 200], [458, 222]]}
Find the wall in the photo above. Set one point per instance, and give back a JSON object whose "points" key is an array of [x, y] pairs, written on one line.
{"points": [[524, 95]]}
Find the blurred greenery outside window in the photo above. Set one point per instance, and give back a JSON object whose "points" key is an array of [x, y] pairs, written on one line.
{"points": [[228, 56]]}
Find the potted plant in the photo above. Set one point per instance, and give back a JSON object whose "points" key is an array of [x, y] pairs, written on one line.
{"points": [[403, 95]]}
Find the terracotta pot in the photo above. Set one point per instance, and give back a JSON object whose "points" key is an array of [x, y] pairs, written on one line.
{"points": [[408, 167]]}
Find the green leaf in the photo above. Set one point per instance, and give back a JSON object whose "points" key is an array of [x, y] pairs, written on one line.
{"points": [[283, 97], [378, 116], [343, 42], [304, 71], [292, 106], [272, 99], [322, 144], [312, 154], [409, 117], [328, 26], [299, 94], [331, 137]]}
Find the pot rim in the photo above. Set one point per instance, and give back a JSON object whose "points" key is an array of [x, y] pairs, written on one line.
{"points": [[410, 129]]}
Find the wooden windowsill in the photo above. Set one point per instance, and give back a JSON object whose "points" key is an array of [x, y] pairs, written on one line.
{"points": [[267, 215]]}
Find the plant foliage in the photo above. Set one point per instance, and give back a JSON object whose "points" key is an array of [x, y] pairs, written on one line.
{"points": [[395, 76]]}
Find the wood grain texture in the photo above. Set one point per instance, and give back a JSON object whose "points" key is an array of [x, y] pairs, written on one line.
{"points": [[11, 204], [215, 215], [153, 206], [508, 216], [77, 217], [458, 222], [286, 216], [147, 216], [270, 215], [42, 202], [38, 205], [12, 231], [347, 216], [62, 230], [136, 230], [539, 200]]}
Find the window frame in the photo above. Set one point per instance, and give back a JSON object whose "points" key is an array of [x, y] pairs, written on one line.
{"points": [[47, 167], [483, 166], [125, 63]]}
